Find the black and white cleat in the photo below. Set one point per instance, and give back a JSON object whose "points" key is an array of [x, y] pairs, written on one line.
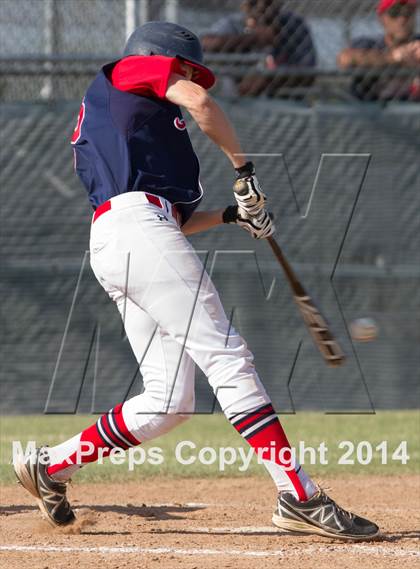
{"points": [[50, 495], [321, 515]]}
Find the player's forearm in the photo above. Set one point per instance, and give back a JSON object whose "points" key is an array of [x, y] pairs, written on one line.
{"points": [[202, 220], [225, 43], [214, 123], [208, 115], [353, 57]]}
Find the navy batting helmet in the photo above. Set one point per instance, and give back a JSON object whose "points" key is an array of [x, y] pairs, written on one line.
{"points": [[170, 40]]}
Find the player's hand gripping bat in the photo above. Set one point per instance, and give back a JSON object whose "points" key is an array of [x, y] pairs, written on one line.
{"points": [[317, 326]]}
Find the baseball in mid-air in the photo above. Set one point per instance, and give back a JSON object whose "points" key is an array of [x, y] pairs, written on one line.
{"points": [[364, 329]]}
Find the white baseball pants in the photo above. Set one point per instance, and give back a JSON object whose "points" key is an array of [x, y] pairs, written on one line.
{"points": [[172, 315], [173, 319]]}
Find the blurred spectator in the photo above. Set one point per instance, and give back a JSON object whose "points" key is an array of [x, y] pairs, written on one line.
{"points": [[263, 26], [398, 48]]}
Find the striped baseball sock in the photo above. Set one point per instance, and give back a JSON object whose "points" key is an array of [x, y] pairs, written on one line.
{"points": [[263, 431], [109, 432]]}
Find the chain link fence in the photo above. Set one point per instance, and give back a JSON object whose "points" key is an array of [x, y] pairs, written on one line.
{"points": [[296, 49], [49, 56], [45, 232]]}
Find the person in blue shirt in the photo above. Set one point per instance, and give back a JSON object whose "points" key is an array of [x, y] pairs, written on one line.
{"points": [[282, 36]]}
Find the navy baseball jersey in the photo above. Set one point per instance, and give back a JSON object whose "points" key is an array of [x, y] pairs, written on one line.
{"points": [[127, 142]]}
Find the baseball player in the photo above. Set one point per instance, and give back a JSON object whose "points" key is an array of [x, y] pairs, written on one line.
{"points": [[135, 159]]}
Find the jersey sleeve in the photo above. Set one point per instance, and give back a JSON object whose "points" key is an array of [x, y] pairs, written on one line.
{"points": [[294, 45], [144, 75]]}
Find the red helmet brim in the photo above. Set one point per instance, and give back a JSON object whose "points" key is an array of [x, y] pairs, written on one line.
{"points": [[205, 77]]}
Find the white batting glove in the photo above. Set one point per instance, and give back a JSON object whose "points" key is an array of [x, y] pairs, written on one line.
{"points": [[259, 226], [247, 190]]}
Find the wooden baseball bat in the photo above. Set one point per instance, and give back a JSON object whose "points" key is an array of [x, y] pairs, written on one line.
{"points": [[324, 340]]}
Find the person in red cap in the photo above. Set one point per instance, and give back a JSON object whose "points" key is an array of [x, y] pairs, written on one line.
{"points": [[399, 47]]}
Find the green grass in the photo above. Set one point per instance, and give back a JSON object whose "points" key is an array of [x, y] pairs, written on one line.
{"points": [[215, 431]]}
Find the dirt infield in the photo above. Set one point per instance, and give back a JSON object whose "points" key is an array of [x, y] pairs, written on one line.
{"points": [[192, 523]]}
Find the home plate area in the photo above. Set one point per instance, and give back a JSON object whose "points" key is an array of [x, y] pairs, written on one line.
{"points": [[205, 523]]}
